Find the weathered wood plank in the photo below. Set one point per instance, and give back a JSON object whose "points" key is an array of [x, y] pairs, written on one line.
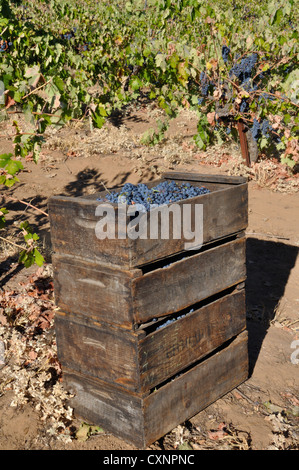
{"points": [[171, 289], [223, 179], [193, 391], [98, 350], [73, 232], [165, 352], [93, 290], [117, 411]]}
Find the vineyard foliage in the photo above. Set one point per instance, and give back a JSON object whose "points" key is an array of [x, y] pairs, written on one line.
{"points": [[228, 60]]}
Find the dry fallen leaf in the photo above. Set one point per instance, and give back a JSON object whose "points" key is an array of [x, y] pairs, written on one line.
{"points": [[9, 101], [3, 319], [211, 118], [220, 433], [32, 355]]}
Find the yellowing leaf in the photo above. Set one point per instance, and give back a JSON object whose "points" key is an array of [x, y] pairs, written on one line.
{"points": [[118, 40], [265, 67], [185, 446], [86, 430], [182, 70], [160, 61], [83, 432]]}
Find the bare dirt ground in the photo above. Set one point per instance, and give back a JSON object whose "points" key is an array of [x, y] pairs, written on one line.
{"points": [[260, 414]]}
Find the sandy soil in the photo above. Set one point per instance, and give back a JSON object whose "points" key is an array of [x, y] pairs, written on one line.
{"points": [[262, 413]]}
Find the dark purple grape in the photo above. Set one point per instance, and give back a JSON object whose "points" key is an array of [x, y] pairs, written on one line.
{"points": [[164, 193], [225, 53]]}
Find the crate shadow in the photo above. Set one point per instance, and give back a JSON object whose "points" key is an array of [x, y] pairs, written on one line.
{"points": [[268, 268], [92, 179]]}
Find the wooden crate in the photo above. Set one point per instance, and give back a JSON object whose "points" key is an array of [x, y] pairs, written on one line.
{"points": [[141, 420], [148, 334], [73, 222]]}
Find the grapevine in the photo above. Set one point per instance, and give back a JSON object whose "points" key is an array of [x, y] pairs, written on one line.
{"points": [[233, 64]]}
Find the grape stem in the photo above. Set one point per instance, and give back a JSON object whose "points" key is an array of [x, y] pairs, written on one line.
{"points": [[26, 204], [12, 243], [284, 60], [106, 189], [38, 88], [212, 34], [257, 92], [3, 31]]}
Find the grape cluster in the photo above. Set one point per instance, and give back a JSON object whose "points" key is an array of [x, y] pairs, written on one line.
{"points": [[259, 129], [265, 128], [164, 193], [68, 36], [4, 45], [225, 53], [243, 70], [255, 130], [244, 105], [83, 48], [205, 83], [266, 96]]}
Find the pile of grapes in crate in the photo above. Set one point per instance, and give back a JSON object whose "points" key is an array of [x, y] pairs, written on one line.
{"points": [[167, 192]]}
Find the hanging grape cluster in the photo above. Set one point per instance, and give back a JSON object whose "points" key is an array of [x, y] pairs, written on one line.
{"points": [[4, 44]]}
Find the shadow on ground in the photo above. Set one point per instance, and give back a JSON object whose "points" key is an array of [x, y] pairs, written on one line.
{"points": [[93, 180], [268, 268], [6, 273], [21, 211]]}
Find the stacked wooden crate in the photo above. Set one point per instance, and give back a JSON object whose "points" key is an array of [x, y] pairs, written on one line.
{"points": [[149, 334]]}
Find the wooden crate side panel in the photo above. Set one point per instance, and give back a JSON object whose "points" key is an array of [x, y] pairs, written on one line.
{"points": [[225, 212], [92, 290], [171, 349], [99, 351], [219, 179], [170, 289], [100, 404], [73, 232], [190, 393]]}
